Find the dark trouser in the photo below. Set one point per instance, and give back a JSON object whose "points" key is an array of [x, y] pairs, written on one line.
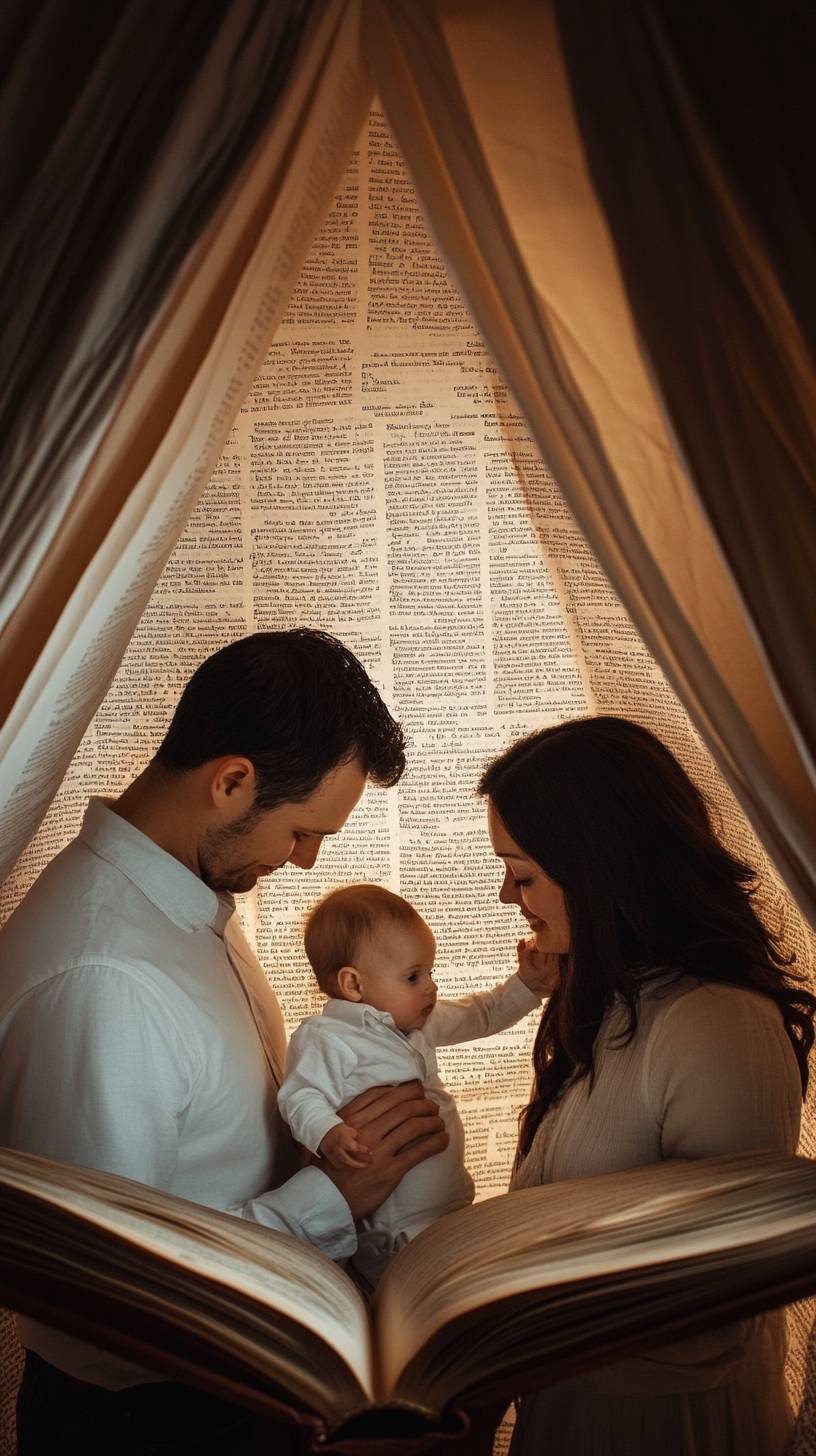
{"points": [[56, 1413]]}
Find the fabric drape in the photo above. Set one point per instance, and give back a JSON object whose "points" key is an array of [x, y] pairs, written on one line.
{"points": [[479, 99], [692, 126], [188, 174], [135, 136]]}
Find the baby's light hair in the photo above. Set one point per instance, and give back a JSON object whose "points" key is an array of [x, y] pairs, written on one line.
{"points": [[338, 923]]}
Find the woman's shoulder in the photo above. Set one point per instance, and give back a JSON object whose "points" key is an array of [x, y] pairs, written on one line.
{"points": [[672, 993], [718, 1070], [689, 1010]]}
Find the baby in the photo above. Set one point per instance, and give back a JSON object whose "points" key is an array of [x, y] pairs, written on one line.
{"points": [[373, 955]]}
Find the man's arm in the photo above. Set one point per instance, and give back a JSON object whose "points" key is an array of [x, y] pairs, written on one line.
{"points": [[94, 1074], [401, 1127]]}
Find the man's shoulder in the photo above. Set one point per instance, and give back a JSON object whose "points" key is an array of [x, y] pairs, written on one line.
{"points": [[81, 912], [68, 894]]}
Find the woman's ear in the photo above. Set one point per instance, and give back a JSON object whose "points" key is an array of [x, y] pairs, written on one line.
{"points": [[349, 984]]}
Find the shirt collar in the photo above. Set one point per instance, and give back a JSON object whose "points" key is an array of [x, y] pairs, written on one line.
{"points": [[358, 1013], [163, 879]]}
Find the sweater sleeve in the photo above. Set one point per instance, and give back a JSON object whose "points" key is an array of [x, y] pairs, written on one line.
{"points": [[721, 1075]]}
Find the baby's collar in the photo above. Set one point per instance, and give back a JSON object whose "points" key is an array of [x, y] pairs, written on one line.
{"points": [[358, 1013]]}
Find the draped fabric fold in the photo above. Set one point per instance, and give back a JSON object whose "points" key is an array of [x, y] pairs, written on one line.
{"points": [[115, 178], [479, 99], [181, 216], [696, 154]]}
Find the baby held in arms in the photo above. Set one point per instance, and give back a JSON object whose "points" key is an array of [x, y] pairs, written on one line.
{"points": [[373, 956]]}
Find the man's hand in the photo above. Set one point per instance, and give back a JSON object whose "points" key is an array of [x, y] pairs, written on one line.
{"points": [[401, 1127], [539, 970]]}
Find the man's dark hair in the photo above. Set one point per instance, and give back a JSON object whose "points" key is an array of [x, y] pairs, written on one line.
{"points": [[297, 704]]}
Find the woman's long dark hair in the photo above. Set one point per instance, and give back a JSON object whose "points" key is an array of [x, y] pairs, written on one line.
{"points": [[607, 812]]}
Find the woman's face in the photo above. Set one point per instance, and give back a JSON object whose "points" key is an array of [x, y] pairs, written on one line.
{"points": [[539, 898]]}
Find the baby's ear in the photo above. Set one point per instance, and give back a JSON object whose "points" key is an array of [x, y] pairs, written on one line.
{"points": [[349, 984]]}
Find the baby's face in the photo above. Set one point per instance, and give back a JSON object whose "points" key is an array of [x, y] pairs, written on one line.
{"points": [[395, 966]]}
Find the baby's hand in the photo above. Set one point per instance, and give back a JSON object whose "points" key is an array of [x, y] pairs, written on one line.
{"points": [[539, 970], [342, 1148]]}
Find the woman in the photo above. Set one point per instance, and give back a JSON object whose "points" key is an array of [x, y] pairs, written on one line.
{"points": [[673, 1031]]}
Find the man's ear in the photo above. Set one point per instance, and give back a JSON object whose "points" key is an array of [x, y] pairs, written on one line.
{"points": [[232, 781], [349, 984]]}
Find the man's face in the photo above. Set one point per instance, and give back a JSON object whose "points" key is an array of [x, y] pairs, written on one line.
{"points": [[235, 855]]}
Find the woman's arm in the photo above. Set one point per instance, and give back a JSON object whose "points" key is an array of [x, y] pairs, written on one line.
{"points": [[721, 1076]]}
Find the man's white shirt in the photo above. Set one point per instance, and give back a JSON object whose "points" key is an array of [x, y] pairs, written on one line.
{"points": [[139, 1035]]}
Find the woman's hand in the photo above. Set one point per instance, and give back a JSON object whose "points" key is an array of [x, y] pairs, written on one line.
{"points": [[539, 970]]}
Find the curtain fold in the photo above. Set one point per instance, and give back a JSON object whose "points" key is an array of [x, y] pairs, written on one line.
{"points": [[479, 99], [127, 137], [696, 155], [114, 445]]}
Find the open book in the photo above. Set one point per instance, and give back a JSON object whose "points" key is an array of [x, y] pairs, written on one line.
{"points": [[500, 1298]]}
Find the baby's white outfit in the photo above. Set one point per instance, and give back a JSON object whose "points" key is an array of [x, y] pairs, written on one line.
{"points": [[352, 1046]]}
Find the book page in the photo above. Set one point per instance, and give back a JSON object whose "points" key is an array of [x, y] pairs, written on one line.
{"points": [[203, 1270], [591, 1259]]}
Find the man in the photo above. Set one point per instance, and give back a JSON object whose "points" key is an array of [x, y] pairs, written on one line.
{"points": [[138, 1033]]}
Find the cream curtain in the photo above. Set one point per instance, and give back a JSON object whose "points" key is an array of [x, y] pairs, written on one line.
{"points": [[128, 129], [479, 99], [718, 266], [136, 253], [153, 289]]}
